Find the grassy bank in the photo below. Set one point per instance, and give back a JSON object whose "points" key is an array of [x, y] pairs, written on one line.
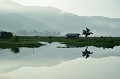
{"points": [[33, 41], [105, 42], [9, 44]]}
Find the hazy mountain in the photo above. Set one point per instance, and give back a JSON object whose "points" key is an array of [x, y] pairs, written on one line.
{"points": [[58, 20], [9, 6], [12, 20], [48, 18]]}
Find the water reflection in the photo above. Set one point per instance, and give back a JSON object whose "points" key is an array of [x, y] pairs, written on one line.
{"points": [[109, 46], [15, 50], [71, 46], [49, 55], [68, 46], [105, 46], [105, 68], [86, 53], [49, 42]]}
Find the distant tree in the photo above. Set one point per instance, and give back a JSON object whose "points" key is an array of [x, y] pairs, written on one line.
{"points": [[6, 35], [87, 32]]}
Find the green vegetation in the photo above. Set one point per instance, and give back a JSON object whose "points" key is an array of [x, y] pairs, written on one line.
{"points": [[33, 41], [15, 39], [16, 42], [105, 42], [5, 35], [9, 44], [7, 40]]}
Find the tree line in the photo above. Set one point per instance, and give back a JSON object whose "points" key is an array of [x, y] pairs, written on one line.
{"points": [[9, 35], [6, 35]]}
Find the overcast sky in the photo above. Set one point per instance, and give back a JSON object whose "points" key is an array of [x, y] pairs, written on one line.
{"points": [[108, 8]]}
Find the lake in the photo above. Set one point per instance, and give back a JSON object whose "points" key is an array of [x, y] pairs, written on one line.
{"points": [[56, 61]]}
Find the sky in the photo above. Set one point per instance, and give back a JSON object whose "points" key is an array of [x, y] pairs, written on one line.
{"points": [[107, 8]]}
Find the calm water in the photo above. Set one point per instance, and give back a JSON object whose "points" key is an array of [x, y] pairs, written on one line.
{"points": [[50, 62]]}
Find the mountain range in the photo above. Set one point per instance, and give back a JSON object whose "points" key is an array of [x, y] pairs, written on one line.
{"points": [[15, 17]]}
